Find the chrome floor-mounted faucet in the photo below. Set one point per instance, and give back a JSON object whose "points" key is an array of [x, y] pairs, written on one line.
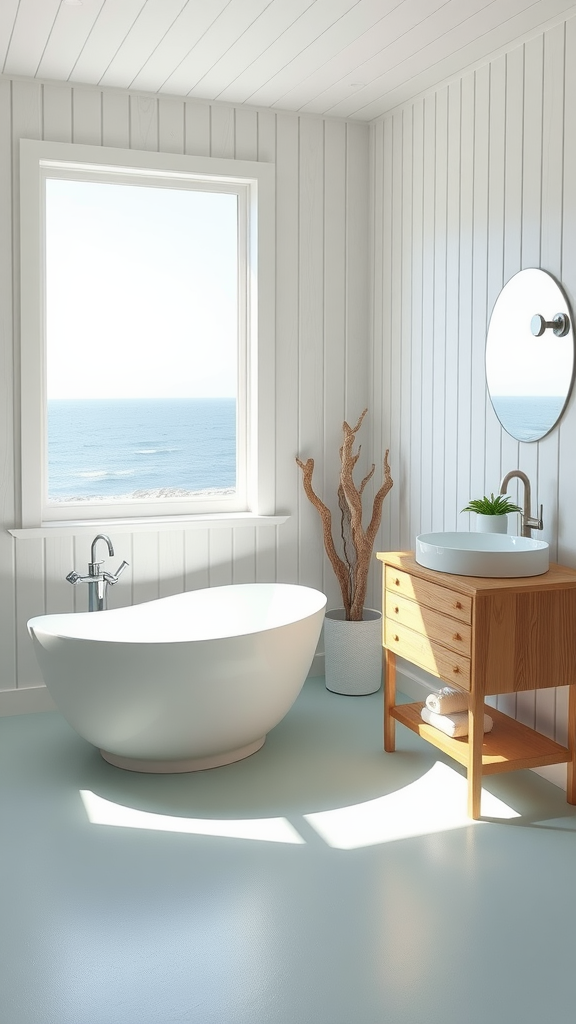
{"points": [[97, 581], [528, 523]]}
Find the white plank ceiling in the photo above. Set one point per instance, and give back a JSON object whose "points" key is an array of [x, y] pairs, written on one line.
{"points": [[342, 58]]}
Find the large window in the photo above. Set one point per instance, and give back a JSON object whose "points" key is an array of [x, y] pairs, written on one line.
{"points": [[146, 334]]}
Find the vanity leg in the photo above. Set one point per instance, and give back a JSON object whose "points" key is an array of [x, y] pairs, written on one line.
{"points": [[389, 701], [475, 742], [571, 774]]}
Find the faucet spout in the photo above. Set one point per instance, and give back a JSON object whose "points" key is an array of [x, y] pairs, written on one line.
{"points": [[528, 522], [107, 541]]}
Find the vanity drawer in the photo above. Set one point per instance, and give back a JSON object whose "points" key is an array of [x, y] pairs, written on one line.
{"points": [[431, 623], [447, 602], [430, 655]]}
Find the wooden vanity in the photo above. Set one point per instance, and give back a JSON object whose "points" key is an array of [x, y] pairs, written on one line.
{"points": [[486, 636]]}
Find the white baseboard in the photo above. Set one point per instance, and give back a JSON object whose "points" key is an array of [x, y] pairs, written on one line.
{"points": [[25, 700], [417, 684]]}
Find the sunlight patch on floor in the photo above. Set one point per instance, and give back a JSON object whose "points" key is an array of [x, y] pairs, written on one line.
{"points": [[434, 803], [105, 812]]}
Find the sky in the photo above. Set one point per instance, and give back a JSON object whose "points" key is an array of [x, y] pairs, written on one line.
{"points": [[141, 291]]}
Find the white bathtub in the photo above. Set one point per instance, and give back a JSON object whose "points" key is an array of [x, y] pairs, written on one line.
{"points": [[183, 683]]}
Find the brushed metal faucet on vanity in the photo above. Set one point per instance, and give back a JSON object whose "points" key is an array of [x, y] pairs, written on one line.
{"points": [[97, 581], [528, 522]]}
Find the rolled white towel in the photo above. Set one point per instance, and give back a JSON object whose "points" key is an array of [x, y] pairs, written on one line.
{"points": [[455, 725], [447, 700]]}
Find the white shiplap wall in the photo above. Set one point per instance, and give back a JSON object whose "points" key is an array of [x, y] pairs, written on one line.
{"points": [[470, 184], [322, 350]]}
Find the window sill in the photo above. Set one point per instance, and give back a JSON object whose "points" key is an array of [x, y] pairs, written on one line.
{"points": [[152, 524]]}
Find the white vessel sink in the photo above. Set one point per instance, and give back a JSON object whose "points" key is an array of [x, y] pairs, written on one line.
{"points": [[482, 554]]}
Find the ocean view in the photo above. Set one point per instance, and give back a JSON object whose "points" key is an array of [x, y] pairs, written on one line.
{"points": [[527, 417], [140, 448]]}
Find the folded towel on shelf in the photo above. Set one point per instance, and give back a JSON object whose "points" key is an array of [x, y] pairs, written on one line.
{"points": [[447, 700], [455, 725]]}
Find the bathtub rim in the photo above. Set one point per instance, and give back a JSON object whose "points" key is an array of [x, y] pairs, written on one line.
{"points": [[52, 625]]}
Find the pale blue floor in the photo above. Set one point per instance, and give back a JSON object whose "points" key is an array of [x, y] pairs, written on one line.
{"points": [[108, 924]]}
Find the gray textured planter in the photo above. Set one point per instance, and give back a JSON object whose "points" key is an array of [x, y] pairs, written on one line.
{"points": [[353, 652]]}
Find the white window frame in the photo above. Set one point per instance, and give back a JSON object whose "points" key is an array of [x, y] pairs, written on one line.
{"points": [[254, 184]]}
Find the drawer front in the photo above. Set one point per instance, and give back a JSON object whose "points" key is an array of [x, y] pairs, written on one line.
{"points": [[431, 623], [428, 654], [447, 602]]}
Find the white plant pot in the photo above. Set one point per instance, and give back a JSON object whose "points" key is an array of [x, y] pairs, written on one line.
{"points": [[491, 524], [353, 652]]}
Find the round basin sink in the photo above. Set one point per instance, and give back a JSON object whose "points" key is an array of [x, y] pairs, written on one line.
{"points": [[482, 554]]}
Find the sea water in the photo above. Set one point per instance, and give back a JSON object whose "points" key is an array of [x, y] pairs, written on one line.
{"points": [[140, 448], [528, 417]]}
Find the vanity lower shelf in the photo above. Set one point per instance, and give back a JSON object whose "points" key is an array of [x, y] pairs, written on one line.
{"points": [[509, 747]]}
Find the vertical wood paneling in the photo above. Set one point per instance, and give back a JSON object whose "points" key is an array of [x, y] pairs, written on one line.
{"points": [[395, 314], [244, 555], [196, 560], [405, 535], [377, 185], [222, 135], [246, 137], [287, 356], [357, 290], [439, 314], [145, 567], [384, 305], [510, 448], [57, 113], [144, 123], [87, 117], [171, 566], [266, 136], [7, 364], [30, 600], [59, 561], [465, 294], [197, 129], [428, 228], [220, 557], [410, 463], [116, 119], [451, 438], [311, 337], [495, 247], [335, 334], [490, 178], [170, 125], [479, 279]]}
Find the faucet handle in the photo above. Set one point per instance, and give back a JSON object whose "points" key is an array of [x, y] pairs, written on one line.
{"points": [[114, 579], [535, 524], [73, 577]]}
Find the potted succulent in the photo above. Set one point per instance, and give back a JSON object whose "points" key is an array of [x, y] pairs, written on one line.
{"points": [[352, 634], [491, 513]]}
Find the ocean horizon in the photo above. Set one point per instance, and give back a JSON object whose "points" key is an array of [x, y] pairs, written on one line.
{"points": [[528, 417], [130, 449]]}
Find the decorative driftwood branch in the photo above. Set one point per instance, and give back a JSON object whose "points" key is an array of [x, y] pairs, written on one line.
{"points": [[352, 570]]}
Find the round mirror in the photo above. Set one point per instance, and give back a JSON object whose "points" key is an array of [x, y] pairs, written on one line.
{"points": [[530, 354]]}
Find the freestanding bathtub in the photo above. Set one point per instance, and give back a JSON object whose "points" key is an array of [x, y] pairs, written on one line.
{"points": [[182, 683]]}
